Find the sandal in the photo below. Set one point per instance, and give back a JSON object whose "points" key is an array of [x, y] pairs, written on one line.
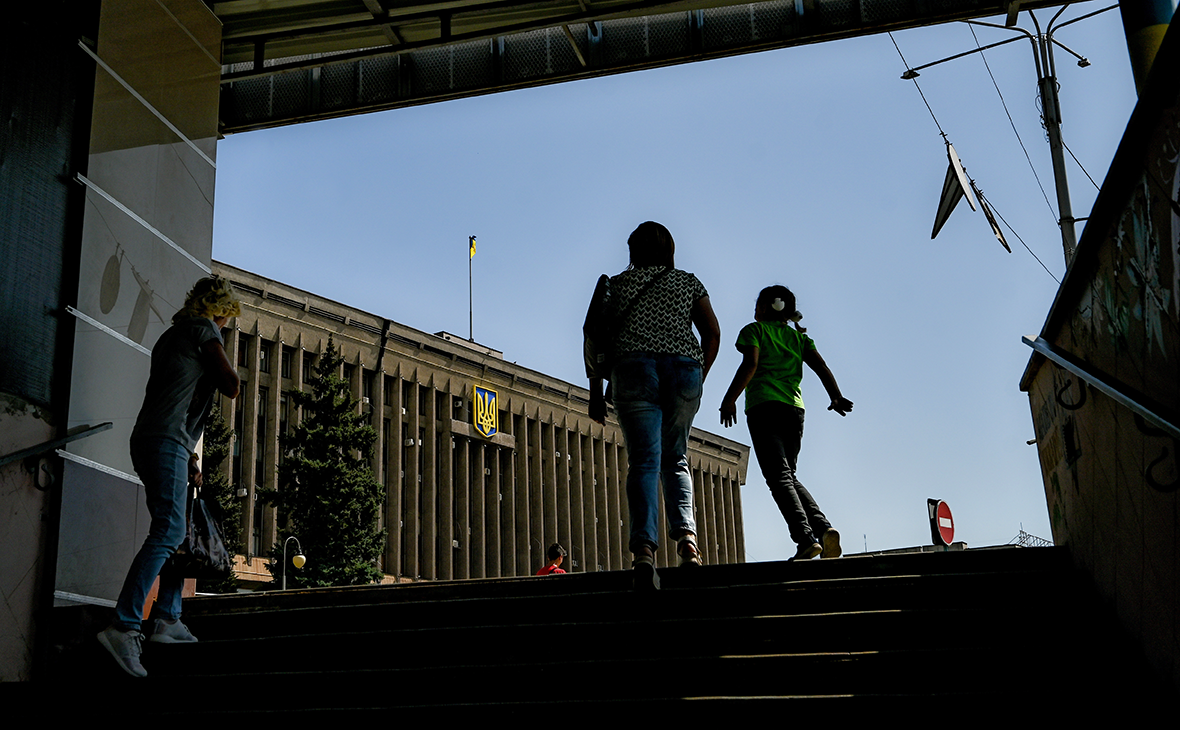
{"points": [[690, 554], [644, 573]]}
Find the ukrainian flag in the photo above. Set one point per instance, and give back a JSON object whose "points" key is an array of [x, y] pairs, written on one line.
{"points": [[471, 241]]}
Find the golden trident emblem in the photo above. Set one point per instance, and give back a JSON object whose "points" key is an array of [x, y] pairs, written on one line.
{"points": [[486, 417]]}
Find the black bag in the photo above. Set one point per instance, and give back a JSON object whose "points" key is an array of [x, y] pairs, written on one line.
{"points": [[597, 333], [203, 554]]}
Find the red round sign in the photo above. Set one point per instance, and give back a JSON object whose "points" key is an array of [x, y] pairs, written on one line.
{"points": [[946, 523]]}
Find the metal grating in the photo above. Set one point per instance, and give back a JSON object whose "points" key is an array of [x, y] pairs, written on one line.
{"points": [[378, 79], [541, 53], [540, 56], [338, 85], [459, 67], [835, 14]]}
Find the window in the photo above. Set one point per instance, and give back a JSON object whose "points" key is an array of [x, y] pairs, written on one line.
{"points": [[264, 351], [285, 363], [367, 377], [243, 346], [348, 371], [308, 363]]}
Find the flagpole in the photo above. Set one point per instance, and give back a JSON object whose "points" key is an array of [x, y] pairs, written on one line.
{"points": [[470, 299]]}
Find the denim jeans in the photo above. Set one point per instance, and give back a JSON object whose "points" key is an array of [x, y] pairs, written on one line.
{"points": [[162, 466], [656, 397], [776, 431]]}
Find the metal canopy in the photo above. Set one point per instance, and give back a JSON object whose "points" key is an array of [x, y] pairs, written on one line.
{"points": [[289, 61]]}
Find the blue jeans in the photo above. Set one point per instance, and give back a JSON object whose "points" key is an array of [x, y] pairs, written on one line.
{"points": [[656, 397], [162, 466]]}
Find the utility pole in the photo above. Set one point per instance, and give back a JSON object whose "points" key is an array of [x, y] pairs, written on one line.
{"points": [[1042, 48]]}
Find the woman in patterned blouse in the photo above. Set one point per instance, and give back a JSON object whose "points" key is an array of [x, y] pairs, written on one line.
{"points": [[659, 370]]}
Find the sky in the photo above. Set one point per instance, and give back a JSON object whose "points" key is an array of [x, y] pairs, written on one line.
{"points": [[815, 167]]}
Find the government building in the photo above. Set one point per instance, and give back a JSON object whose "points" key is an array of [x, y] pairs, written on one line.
{"points": [[485, 463]]}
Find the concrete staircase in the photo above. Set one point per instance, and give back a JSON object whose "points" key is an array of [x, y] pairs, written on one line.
{"points": [[986, 630]]}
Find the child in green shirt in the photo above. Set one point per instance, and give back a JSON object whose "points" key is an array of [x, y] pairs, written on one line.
{"points": [[773, 355]]}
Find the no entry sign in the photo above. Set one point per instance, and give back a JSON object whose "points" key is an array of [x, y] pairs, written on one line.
{"points": [[942, 524]]}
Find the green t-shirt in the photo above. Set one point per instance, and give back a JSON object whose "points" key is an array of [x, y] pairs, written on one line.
{"points": [[780, 362]]}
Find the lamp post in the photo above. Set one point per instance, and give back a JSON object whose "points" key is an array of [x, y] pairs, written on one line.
{"points": [[1042, 48], [298, 559]]}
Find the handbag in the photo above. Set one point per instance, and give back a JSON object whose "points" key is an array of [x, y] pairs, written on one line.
{"points": [[202, 554]]}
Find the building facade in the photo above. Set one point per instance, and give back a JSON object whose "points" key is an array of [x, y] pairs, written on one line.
{"points": [[485, 463]]}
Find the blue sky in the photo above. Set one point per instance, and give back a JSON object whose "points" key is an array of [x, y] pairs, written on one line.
{"points": [[815, 167]]}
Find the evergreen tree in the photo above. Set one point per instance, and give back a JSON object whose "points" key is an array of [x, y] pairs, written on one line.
{"points": [[216, 488], [328, 497]]}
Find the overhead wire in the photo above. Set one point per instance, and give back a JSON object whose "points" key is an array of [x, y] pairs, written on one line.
{"points": [[1018, 139], [1014, 233], [1080, 167], [919, 88]]}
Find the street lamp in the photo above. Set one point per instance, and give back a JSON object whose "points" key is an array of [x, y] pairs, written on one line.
{"points": [[1042, 48], [298, 559]]}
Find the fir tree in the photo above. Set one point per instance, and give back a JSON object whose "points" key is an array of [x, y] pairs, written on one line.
{"points": [[216, 488], [328, 497]]}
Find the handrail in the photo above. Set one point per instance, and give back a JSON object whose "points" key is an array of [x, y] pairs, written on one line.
{"points": [[1120, 392], [55, 443]]}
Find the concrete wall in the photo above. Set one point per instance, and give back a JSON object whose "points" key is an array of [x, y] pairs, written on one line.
{"points": [[1110, 478], [146, 236]]}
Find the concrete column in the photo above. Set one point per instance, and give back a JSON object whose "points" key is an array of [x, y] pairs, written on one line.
{"points": [[492, 510], [270, 456], [445, 519], [576, 547], [601, 500], [720, 499], [395, 483], [413, 483], [463, 556], [735, 489], [427, 505], [615, 495], [478, 510], [549, 466], [377, 408], [536, 497], [588, 519], [700, 511], [561, 460], [1144, 23], [228, 408], [730, 520], [521, 493], [249, 435], [506, 459]]}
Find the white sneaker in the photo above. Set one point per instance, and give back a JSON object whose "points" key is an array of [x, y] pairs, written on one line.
{"points": [[831, 540], [125, 647], [171, 632]]}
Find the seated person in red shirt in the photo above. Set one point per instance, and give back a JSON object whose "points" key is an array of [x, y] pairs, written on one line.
{"points": [[555, 554]]}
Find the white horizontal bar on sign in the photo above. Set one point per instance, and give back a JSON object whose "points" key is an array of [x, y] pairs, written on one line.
{"points": [[130, 213], [89, 463], [122, 338], [79, 598], [145, 103]]}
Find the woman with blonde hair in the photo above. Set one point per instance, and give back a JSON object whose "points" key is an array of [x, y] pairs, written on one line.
{"points": [[188, 365]]}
